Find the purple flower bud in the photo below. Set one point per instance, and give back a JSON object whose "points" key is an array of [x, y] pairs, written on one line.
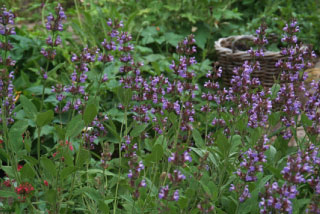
{"points": [[109, 22], [58, 41], [176, 195], [143, 183], [187, 157], [130, 174], [232, 188]]}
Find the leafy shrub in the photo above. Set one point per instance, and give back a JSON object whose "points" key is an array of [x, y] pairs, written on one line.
{"points": [[98, 131]]}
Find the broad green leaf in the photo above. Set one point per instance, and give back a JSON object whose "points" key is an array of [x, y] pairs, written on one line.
{"points": [[236, 141], [232, 14], [147, 40], [274, 90], [44, 118], [271, 153], [143, 50], [252, 204], [7, 194], [45, 131], [89, 113], [27, 172], [183, 202], [51, 196], [149, 31], [154, 58], [157, 153], [29, 108], [22, 81], [138, 129], [37, 90], [223, 144], [192, 18], [155, 156], [256, 134], [112, 84], [160, 40], [3, 155], [124, 95], [305, 120], [172, 38], [148, 35], [84, 157], [113, 129], [202, 35], [61, 132], [49, 166], [162, 141], [197, 138], [8, 170], [96, 171], [75, 127], [90, 192], [300, 203], [27, 144], [173, 7], [15, 134], [30, 160], [57, 67], [66, 172], [103, 206], [68, 158], [241, 123], [274, 118], [209, 186]]}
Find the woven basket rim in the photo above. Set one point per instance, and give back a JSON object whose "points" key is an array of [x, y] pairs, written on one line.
{"points": [[228, 51]]}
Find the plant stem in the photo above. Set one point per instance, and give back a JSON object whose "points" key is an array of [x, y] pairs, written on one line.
{"points": [[175, 141], [119, 172], [79, 19]]}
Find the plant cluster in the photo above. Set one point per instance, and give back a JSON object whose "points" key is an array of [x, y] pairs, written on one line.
{"points": [[97, 131]]}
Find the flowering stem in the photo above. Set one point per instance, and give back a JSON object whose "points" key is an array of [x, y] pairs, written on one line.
{"points": [[44, 80], [5, 50], [11, 158], [42, 14], [43, 89], [56, 208], [38, 144], [5, 129], [175, 142], [79, 19], [133, 210], [154, 176], [206, 132], [119, 172], [222, 174], [99, 79]]}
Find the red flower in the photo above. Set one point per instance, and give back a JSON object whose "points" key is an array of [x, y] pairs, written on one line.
{"points": [[46, 182], [7, 183], [70, 145], [54, 154], [24, 189], [19, 167]]}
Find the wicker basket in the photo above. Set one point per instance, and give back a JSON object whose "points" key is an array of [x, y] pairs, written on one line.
{"points": [[229, 58]]}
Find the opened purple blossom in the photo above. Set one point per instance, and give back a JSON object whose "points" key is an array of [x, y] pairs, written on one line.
{"points": [[187, 156], [164, 191], [130, 174], [176, 195]]}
